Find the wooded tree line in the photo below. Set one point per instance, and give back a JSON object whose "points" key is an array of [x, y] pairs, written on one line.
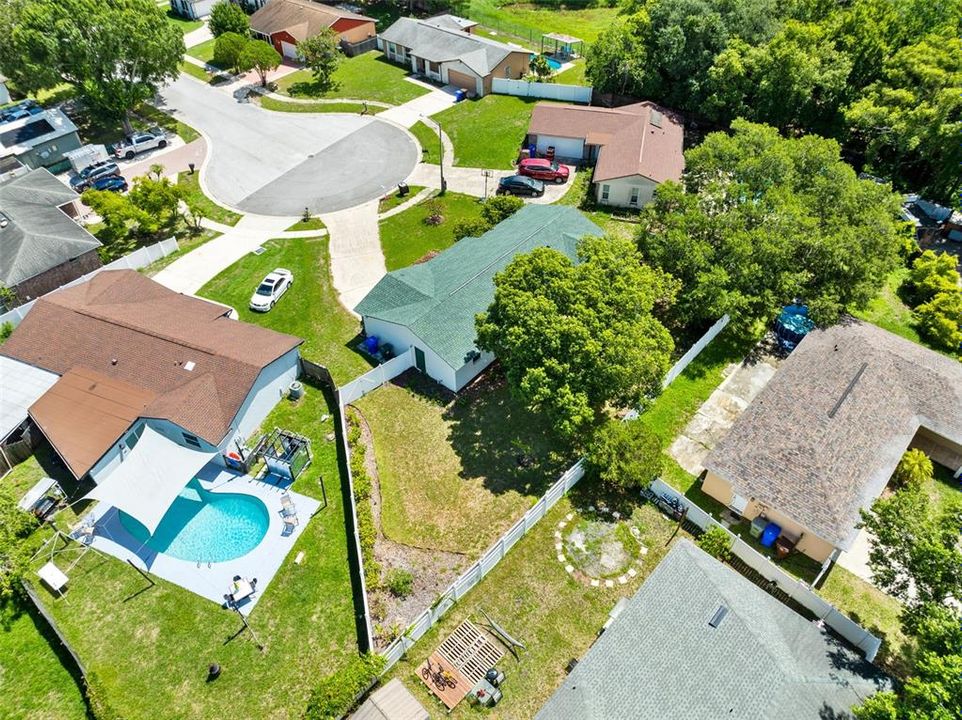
{"points": [[882, 76]]}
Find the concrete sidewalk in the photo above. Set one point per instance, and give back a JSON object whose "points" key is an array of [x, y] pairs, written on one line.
{"points": [[357, 262], [409, 113]]}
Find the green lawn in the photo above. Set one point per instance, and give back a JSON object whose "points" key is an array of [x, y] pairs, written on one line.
{"points": [[36, 684], [428, 139], [573, 75], [555, 616], [364, 77], [529, 20], [190, 182], [309, 310], [394, 199], [888, 311], [406, 238], [204, 51], [943, 488], [269, 103], [185, 25], [148, 648], [314, 223], [448, 467], [487, 132]]}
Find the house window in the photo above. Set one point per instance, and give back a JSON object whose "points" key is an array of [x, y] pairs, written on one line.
{"points": [[191, 440], [605, 191], [434, 67], [507, 71], [633, 200]]}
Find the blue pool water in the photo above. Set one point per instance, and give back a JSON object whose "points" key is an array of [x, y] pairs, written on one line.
{"points": [[201, 526], [552, 63]]}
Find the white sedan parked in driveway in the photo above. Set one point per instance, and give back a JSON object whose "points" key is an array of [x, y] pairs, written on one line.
{"points": [[270, 290]]}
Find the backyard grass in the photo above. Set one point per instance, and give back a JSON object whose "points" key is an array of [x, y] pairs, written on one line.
{"points": [[943, 488], [190, 183], [888, 311], [533, 598], [428, 140], [309, 310], [314, 223], [147, 648], [487, 132], [364, 77], [406, 237], [36, 684], [450, 479], [269, 103], [529, 20], [572, 76], [394, 199], [874, 610]]}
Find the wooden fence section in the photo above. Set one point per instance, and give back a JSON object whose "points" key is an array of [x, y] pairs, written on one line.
{"points": [[794, 588]]}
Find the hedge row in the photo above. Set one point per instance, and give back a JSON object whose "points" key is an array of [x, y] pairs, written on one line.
{"points": [[362, 496], [337, 693]]}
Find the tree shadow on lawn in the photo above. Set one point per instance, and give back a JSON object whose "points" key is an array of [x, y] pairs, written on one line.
{"points": [[494, 436]]}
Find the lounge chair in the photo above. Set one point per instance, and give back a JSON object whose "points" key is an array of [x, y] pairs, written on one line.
{"points": [[287, 506]]}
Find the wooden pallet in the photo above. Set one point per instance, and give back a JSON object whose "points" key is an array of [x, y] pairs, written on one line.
{"points": [[471, 651]]}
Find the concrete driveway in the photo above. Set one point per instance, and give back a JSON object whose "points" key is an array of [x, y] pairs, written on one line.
{"points": [[275, 163]]}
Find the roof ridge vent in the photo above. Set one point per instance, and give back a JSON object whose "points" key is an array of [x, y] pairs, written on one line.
{"points": [[848, 390]]}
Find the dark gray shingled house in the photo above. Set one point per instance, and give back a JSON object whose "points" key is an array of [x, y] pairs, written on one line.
{"points": [[41, 246], [700, 642], [821, 441]]}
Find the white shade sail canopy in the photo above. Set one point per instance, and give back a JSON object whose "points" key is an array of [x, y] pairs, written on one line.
{"points": [[150, 477], [20, 387]]}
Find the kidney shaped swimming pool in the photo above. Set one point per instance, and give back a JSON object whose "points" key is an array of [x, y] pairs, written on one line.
{"points": [[201, 526]]}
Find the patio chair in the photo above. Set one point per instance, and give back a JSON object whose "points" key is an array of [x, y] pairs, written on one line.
{"points": [[83, 532], [290, 522], [287, 506]]}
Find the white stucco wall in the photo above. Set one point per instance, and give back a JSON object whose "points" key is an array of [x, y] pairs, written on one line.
{"points": [[271, 385], [467, 372], [619, 191], [402, 339]]}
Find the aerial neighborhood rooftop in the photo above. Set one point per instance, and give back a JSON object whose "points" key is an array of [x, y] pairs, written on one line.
{"points": [[397, 361]]}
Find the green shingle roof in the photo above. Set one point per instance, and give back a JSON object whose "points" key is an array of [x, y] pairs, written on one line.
{"points": [[438, 300]]}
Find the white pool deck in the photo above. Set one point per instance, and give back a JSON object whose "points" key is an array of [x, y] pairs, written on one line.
{"points": [[213, 580]]}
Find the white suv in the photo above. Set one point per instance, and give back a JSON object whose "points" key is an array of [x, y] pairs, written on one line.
{"points": [[140, 142]]}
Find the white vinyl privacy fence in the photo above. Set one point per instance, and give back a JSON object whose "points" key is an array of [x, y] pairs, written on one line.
{"points": [[679, 367], [799, 591], [426, 620], [376, 377], [547, 91], [139, 258]]}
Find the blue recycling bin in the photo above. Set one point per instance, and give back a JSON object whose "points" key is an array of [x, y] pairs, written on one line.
{"points": [[770, 534], [460, 95], [370, 344]]}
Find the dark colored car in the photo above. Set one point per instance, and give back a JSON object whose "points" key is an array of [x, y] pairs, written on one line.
{"points": [[82, 180], [542, 169], [520, 185], [113, 183]]}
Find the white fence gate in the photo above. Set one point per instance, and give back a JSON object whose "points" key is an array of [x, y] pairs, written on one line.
{"points": [[799, 591], [141, 257], [547, 91]]}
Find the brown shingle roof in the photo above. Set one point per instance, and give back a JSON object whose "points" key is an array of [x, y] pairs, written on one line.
{"points": [[822, 439], [632, 143], [301, 18], [84, 413], [128, 328]]}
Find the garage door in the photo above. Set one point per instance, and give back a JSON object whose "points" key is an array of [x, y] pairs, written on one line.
{"points": [[288, 50], [462, 81], [572, 148]]}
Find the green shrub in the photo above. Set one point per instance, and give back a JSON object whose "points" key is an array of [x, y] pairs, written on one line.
{"points": [[6, 330], [399, 582], [913, 470], [931, 274], [624, 455], [336, 694], [500, 207], [366, 531], [475, 227], [716, 542], [940, 320]]}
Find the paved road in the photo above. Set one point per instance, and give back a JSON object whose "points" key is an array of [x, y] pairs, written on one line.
{"points": [[274, 163]]}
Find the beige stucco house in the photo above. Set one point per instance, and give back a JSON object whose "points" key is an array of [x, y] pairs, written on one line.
{"points": [[632, 148], [823, 438]]}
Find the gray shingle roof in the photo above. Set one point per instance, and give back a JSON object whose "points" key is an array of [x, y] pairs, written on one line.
{"points": [[443, 44], [38, 236], [823, 438], [660, 659], [439, 299]]}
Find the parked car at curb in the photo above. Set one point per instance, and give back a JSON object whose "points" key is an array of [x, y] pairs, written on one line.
{"points": [[543, 169], [85, 178], [520, 185], [111, 183], [140, 142], [277, 282]]}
